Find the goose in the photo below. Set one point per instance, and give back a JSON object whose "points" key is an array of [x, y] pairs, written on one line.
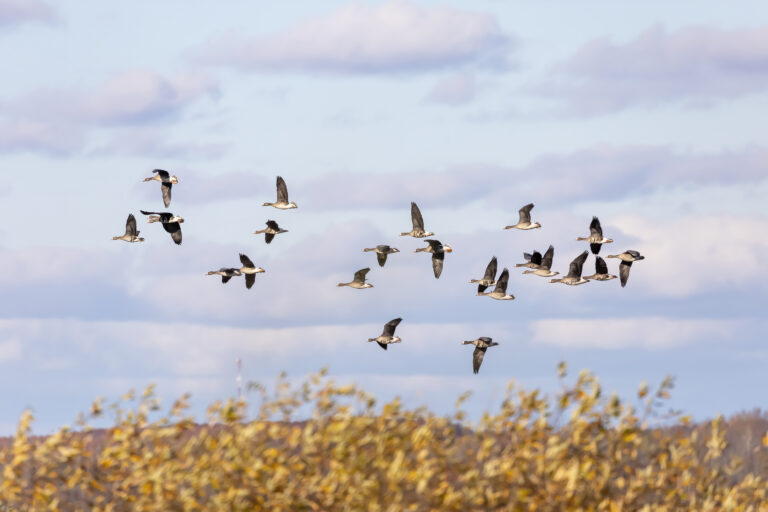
{"points": [[438, 251], [359, 280], [481, 345], [544, 269], [271, 230], [166, 182], [282, 197], [388, 334], [225, 273], [601, 271], [250, 270], [381, 253], [171, 223], [627, 258], [131, 233], [595, 238], [500, 292], [574, 272], [418, 224], [531, 260], [525, 219], [489, 278]]}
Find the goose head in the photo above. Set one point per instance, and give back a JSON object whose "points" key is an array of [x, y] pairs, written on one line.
{"points": [[447, 248], [174, 180], [396, 339], [292, 205]]}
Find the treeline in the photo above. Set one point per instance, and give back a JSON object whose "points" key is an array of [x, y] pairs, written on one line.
{"points": [[576, 450]]}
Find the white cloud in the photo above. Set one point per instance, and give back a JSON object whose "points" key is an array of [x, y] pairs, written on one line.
{"points": [[697, 64], [395, 35], [637, 332], [10, 350]]}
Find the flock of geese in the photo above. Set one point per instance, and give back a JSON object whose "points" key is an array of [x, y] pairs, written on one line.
{"points": [[535, 263]]}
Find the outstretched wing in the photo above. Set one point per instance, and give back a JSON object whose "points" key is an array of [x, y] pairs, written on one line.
{"points": [[225, 279], [477, 358], [536, 258], [273, 225], [382, 345], [130, 226], [501, 282], [624, 272], [382, 258], [149, 213], [601, 267], [594, 227], [166, 189], [416, 218], [546, 261], [595, 248], [437, 263], [490, 270], [389, 327], [246, 261], [163, 175], [249, 280], [525, 213], [435, 245], [574, 269], [360, 275], [268, 237], [282, 190], [175, 230]]}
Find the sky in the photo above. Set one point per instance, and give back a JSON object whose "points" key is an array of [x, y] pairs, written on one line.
{"points": [[650, 116]]}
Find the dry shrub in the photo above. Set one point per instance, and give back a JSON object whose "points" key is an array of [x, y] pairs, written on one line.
{"points": [[577, 450]]}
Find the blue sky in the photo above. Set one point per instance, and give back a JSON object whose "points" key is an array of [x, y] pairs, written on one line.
{"points": [[649, 116]]}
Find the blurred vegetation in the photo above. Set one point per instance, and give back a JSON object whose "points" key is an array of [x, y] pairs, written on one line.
{"points": [[575, 450]]}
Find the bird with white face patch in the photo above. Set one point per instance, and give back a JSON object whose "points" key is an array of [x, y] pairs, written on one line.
{"points": [[388, 334], [489, 278]]}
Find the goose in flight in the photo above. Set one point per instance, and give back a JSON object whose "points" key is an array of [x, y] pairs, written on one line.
{"points": [[171, 223], [282, 197], [500, 292], [388, 334], [249, 270], [166, 182], [225, 273], [481, 345], [574, 271], [438, 251], [131, 233], [418, 224], [525, 219], [489, 278], [627, 258], [601, 271], [595, 238], [544, 268], [359, 280], [381, 253], [270, 231], [531, 260]]}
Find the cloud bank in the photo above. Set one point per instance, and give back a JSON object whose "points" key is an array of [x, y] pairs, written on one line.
{"points": [[393, 36]]}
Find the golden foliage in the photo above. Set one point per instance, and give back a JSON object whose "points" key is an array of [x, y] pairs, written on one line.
{"points": [[578, 450]]}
